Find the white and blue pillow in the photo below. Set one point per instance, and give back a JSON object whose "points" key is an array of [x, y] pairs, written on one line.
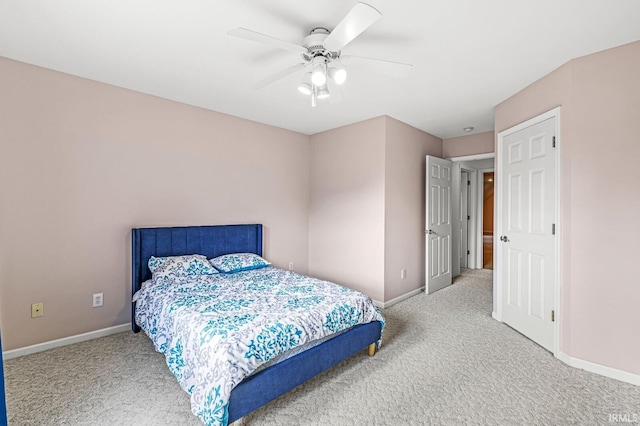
{"points": [[181, 268], [236, 262]]}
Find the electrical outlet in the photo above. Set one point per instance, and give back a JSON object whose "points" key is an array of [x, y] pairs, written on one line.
{"points": [[291, 266], [403, 274], [98, 300], [37, 310]]}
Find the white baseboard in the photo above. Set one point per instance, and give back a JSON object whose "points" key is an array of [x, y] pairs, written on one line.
{"points": [[592, 367], [602, 370], [398, 299], [45, 346]]}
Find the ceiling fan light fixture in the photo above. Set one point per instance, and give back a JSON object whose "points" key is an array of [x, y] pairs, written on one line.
{"points": [[318, 77], [338, 74], [305, 86], [319, 71], [323, 92]]}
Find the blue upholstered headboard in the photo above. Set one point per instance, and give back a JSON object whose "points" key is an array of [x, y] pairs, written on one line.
{"points": [[210, 241]]}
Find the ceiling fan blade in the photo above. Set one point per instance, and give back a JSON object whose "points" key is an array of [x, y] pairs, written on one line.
{"points": [[393, 69], [359, 18], [277, 76], [265, 39]]}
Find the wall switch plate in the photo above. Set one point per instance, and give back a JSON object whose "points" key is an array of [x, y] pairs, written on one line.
{"points": [[37, 310], [291, 266], [403, 274], [98, 300]]}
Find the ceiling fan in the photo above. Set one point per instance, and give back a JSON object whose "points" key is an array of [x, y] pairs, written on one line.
{"points": [[321, 53]]}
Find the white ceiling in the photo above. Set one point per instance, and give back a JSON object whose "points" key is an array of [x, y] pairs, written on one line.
{"points": [[468, 55]]}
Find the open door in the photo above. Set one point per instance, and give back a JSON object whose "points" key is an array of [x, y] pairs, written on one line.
{"points": [[438, 223]]}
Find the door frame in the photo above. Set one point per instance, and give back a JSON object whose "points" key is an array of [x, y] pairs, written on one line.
{"points": [[457, 161], [472, 233], [497, 248]]}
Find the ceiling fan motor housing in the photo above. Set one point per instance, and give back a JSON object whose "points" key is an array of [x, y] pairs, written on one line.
{"points": [[314, 43]]}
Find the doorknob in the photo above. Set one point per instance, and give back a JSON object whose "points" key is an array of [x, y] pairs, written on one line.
{"points": [[429, 231], [504, 239]]}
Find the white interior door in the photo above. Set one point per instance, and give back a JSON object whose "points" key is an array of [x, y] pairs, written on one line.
{"points": [[527, 247], [438, 223], [464, 218]]}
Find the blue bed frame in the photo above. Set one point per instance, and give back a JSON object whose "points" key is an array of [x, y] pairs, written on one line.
{"points": [[3, 406], [212, 241]]}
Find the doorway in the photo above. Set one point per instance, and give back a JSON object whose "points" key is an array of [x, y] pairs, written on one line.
{"points": [[487, 219], [468, 208]]}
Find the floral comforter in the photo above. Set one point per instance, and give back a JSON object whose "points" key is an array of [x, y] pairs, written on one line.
{"points": [[218, 329]]}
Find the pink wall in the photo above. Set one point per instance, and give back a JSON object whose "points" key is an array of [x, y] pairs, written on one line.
{"points": [[479, 143], [404, 246], [366, 215], [81, 163], [599, 95], [346, 209]]}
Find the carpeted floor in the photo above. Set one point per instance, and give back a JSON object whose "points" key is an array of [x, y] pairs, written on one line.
{"points": [[444, 361]]}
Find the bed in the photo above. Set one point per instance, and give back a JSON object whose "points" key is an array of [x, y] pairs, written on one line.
{"points": [[266, 383]]}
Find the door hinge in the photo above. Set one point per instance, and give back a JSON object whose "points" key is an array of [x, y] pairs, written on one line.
{"points": [[468, 217], [553, 315], [468, 182], [553, 229], [554, 141], [468, 252]]}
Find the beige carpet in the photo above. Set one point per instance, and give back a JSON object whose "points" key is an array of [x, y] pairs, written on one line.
{"points": [[444, 361]]}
